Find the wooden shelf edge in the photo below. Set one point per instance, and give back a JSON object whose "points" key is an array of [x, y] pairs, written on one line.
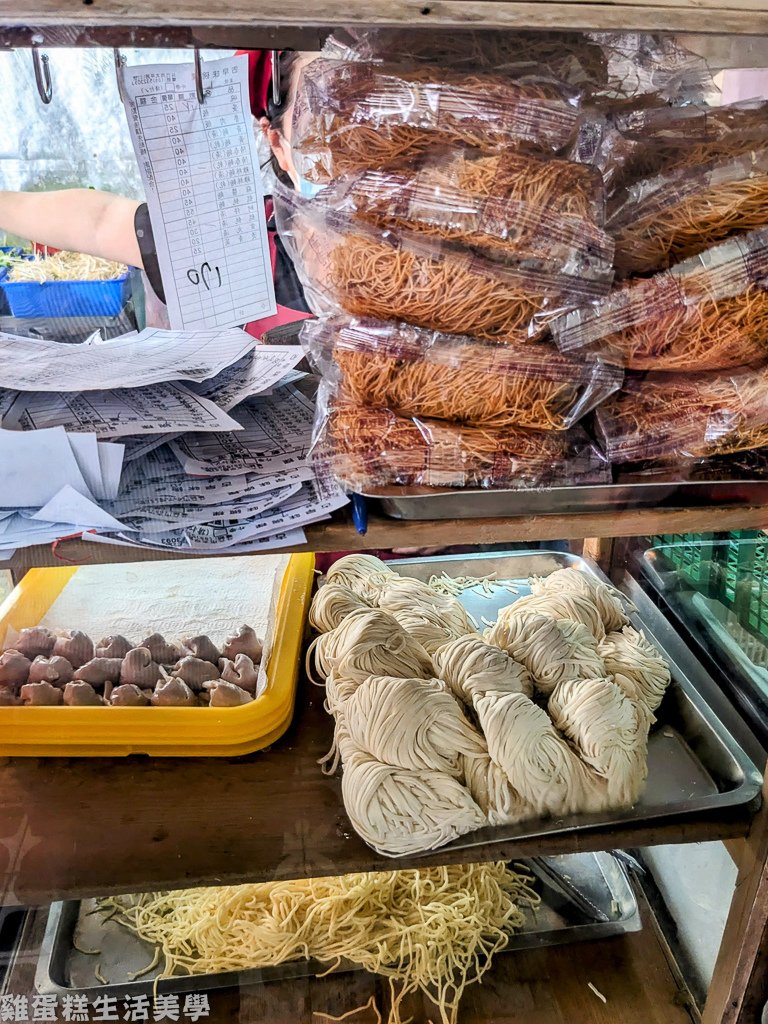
{"points": [[339, 534], [120, 21], [30, 892]]}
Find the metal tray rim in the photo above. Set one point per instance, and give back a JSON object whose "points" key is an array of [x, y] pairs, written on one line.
{"points": [[613, 872], [421, 502], [744, 793]]}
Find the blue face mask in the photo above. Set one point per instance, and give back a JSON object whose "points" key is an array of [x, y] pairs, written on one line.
{"points": [[308, 188]]}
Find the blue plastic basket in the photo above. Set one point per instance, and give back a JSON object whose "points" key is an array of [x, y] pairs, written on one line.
{"points": [[67, 298]]}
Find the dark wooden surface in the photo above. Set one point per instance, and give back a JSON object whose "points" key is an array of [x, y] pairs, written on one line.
{"points": [[723, 16], [383, 534], [85, 827], [540, 986]]}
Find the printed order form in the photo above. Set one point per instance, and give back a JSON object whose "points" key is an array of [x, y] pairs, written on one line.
{"points": [[200, 169]]}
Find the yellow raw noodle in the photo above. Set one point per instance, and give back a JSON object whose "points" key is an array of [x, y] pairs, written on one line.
{"points": [[432, 930], [66, 266]]}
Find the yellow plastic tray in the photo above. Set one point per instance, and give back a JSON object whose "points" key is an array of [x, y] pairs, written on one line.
{"points": [[163, 732]]}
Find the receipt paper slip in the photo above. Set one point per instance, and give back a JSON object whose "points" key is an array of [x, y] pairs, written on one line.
{"points": [[151, 357], [169, 407], [35, 466]]}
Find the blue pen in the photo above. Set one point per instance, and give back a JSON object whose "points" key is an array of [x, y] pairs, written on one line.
{"points": [[360, 514]]}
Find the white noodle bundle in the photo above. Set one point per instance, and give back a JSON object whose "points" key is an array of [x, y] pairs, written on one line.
{"points": [[362, 573], [404, 594], [426, 626], [492, 791], [552, 650], [410, 723], [331, 605], [538, 762], [609, 731], [338, 691], [470, 667], [574, 581], [369, 643], [559, 605], [399, 811], [637, 668]]}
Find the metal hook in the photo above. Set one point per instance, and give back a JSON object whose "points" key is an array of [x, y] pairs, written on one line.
{"points": [[276, 77], [41, 64], [120, 62], [199, 78]]}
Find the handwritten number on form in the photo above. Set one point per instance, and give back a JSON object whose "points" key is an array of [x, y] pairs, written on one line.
{"points": [[201, 277]]}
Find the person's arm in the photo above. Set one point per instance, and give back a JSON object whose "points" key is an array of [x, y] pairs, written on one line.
{"points": [[78, 219]]}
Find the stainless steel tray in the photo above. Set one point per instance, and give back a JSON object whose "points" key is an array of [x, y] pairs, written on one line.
{"points": [[694, 761], [459, 503], [597, 877]]}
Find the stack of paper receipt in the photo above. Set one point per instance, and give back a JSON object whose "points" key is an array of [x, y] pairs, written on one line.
{"points": [[193, 441]]}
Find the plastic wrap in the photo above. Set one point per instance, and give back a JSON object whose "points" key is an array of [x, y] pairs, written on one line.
{"points": [[612, 64], [568, 56], [353, 116], [641, 63], [425, 373], [667, 138], [557, 186], [665, 416], [707, 313], [427, 200], [366, 448], [422, 281], [672, 217]]}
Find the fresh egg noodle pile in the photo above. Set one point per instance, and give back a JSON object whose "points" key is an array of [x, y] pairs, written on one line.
{"points": [[66, 266], [431, 930], [442, 731]]}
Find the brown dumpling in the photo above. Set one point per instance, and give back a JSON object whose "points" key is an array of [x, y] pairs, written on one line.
{"points": [[242, 672], [162, 651], [34, 641], [203, 647], [227, 695], [195, 672], [8, 698], [139, 668], [99, 671], [78, 695], [243, 642], [56, 670], [14, 669], [40, 694], [75, 646], [128, 696], [115, 646], [173, 693]]}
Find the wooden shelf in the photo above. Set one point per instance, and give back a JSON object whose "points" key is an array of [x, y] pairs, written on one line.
{"points": [[538, 986], [384, 534], [86, 827], [245, 23]]}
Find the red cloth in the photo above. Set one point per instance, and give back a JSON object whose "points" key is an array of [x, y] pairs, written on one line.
{"points": [[259, 79]]}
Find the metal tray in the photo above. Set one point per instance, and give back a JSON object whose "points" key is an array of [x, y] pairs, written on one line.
{"points": [[739, 660], [460, 503], [598, 878], [694, 762]]}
